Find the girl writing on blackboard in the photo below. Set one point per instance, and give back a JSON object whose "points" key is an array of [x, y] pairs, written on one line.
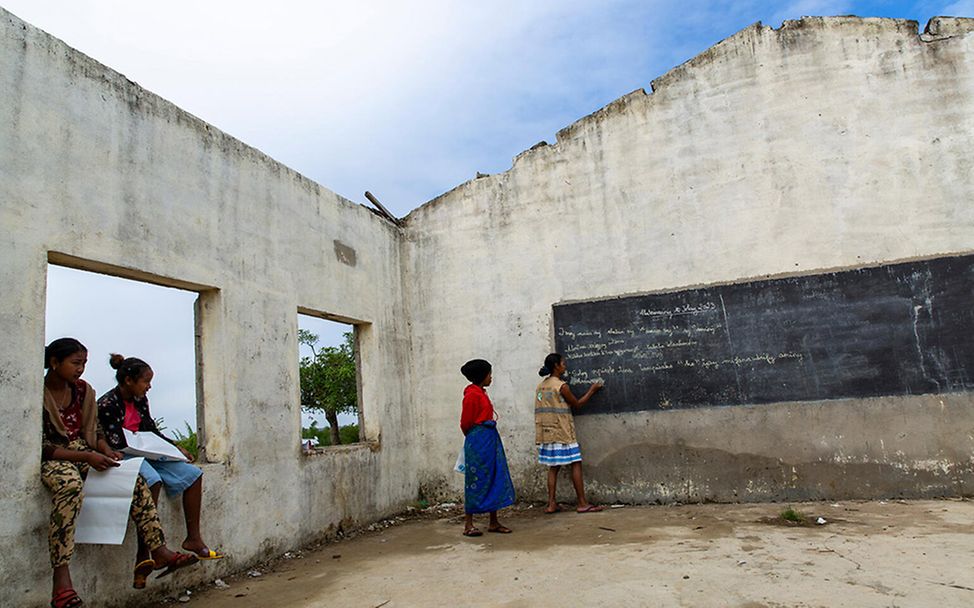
{"points": [[555, 430], [72, 444], [487, 481]]}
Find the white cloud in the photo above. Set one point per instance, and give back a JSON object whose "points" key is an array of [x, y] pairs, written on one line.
{"points": [[964, 8], [407, 99]]}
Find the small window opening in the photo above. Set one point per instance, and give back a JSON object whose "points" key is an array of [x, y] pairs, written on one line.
{"points": [[328, 367]]}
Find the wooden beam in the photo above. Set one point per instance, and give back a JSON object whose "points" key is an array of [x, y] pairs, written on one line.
{"points": [[383, 210]]}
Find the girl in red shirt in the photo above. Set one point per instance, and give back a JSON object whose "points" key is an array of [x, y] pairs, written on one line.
{"points": [[487, 481]]}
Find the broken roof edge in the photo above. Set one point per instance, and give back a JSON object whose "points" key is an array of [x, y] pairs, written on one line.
{"points": [[128, 91], [943, 27], [937, 28]]}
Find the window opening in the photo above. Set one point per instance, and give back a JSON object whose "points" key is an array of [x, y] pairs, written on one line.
{"points": [[154, 323], [328, 369]]}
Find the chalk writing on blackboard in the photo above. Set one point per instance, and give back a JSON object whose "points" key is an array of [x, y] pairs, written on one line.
{"points": [[889, 330]]}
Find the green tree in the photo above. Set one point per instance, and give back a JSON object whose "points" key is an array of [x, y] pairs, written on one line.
{"points": [[313, 432], [328, 382]]}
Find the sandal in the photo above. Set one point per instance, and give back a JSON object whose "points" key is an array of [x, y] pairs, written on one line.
{"points": [[205, 554], [500, 530], [66, 598], [557, 509], [590, 509], [179, 560], [472, 532], [211, 554], [142, 571]]}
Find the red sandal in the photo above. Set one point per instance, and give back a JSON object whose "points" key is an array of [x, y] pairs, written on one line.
{"points": [[66, 598], [179, 560]]}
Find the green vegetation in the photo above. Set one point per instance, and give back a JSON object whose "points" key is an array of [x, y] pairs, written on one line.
{"points": [[347, 434], [792, 515], [187, 441], [328, 384]]}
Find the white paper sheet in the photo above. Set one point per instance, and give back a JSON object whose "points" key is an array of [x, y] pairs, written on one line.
{"points": [[151, 446], [107, 501]]}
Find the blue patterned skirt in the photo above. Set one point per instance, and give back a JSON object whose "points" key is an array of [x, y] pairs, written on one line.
{"points": [[487, 481]]}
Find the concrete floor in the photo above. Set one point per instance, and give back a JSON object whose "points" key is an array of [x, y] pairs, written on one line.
{"points": [[882, 554]]}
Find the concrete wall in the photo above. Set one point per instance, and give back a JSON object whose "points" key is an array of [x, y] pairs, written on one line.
{"points": [[829, 143], [97, 173]]}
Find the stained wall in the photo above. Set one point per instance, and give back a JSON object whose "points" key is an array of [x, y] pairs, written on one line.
{"points": [[829, 143], [100, 174]]}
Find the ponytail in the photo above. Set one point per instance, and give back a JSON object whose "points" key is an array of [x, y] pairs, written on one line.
{"points": [[127, 367], [550, 363]]}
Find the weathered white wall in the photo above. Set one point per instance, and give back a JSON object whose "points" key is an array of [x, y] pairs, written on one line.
{"points": [[109, 176], [829, 143]]}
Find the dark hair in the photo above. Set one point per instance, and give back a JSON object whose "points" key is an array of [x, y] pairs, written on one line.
{"points": [[127, 367], [550, 362], [61, 349], [476, 370]]}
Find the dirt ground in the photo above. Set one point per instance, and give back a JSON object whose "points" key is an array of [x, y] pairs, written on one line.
{"points": [[883, 554]]}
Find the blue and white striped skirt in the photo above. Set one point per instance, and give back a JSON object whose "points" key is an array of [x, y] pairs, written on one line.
{"points": [[554, 454]]}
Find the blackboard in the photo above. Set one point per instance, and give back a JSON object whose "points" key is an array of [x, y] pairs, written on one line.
{"points": [[900, 329]]}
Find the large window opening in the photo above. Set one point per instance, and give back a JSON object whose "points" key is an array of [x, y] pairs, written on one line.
{"points": [[331, 412], [135, 319]]}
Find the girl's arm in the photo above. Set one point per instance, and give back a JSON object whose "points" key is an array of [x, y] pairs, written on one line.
{"points": [[472, 410], [467, 414], [156, 431], [149, 424], [107, 450], [96, 460], [102, 444], [577, 403]]}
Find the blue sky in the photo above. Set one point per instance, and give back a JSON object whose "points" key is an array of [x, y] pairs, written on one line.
{"points": [[406, 100]]}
